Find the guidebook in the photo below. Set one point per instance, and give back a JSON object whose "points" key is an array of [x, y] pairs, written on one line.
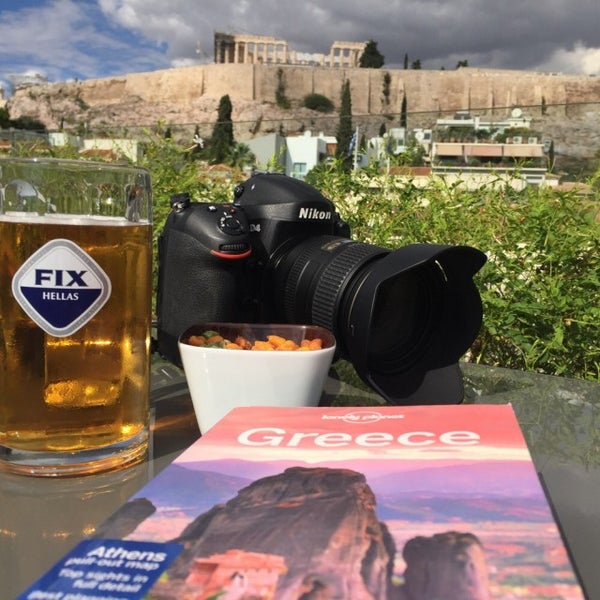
{"points": [[404, 503]]}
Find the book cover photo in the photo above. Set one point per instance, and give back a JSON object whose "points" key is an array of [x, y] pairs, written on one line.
{"points": [[392, 503]]}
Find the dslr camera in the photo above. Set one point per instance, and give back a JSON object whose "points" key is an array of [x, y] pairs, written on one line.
{"points": [[280, 253]]}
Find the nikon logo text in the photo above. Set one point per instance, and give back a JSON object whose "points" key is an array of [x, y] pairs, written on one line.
{"points": [[314, 213]]}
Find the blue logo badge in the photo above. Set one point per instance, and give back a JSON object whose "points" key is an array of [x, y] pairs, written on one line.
{"points": [[61, 287]]}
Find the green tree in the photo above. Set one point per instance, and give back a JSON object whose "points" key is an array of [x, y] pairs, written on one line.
{"points": [[405, 61], [345, 129], [416, 64], [4, 118], [371, 58], [27, 122], [462, 63], [387, 80], [404, 112], [222, 140]]}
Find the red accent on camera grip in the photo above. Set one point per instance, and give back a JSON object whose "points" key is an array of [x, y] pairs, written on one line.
{"points": [[232, 256]]}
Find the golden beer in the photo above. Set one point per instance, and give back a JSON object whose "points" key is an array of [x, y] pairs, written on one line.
{"points": [[89, 389]]}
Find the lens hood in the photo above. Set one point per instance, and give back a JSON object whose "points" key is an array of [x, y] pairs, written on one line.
{"points": [[431, 375]]}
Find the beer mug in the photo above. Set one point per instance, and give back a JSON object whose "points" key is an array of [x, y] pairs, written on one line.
{"points": [[75, 310]]}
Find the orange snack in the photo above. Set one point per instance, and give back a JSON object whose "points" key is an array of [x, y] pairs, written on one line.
{"points": [[197, 340], [233, 346], [315, 344], [262, 345], [276, 340], [287, 345], [273, 342], [243, 343]]}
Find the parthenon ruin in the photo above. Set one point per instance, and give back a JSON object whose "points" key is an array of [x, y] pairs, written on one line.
{"points": [[259, 49]]}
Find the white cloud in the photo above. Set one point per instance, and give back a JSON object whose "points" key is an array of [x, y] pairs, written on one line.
{"points": [[64, 38], [179, 24], [437, 32], [97, 38], [185, 62], [579, 60], [50, 29]]}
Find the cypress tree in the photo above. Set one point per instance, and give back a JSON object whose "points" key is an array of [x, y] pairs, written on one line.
{"points": [[222, 137], [345, 128], [403, 113]]}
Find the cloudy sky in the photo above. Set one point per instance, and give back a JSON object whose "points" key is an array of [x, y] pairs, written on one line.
{"points": [[66, 39]]}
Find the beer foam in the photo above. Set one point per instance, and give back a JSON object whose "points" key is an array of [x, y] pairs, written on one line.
{"points": [[66, 219]]}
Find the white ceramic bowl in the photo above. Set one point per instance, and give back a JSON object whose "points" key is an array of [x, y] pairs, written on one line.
{"points": [[220, 379]]}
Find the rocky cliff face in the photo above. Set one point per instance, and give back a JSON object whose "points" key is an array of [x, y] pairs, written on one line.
{"points": [[309, 533], [186, 98], [448, 565], [321, 521], [183, 99]]}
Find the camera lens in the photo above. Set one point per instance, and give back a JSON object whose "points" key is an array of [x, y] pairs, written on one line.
{"points": [[313, 276], [402, 322], [395, 314], [321, 279]]}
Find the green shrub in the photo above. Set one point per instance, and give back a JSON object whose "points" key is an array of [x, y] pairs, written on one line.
{"points": [[539, 287], [318, 102], [280, 97]]}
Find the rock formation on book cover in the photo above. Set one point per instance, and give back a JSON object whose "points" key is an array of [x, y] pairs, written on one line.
{"points": [[309, 533]]}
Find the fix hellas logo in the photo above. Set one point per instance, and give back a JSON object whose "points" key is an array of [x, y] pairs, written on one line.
{"points": [[61, 287]]}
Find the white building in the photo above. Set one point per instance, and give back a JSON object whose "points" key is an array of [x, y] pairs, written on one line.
{"points": [[295, 155], [515, 120], [116, 147], [128, 148], [379, 148], [303, 152]]}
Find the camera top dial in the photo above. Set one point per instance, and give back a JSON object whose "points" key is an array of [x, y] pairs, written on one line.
{"points": [[222, 229], [230, 237]]}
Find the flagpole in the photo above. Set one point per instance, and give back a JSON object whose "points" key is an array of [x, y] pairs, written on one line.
{"points": [[355, 166]]}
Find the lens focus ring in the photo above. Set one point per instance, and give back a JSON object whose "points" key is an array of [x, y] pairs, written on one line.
{"points": [[334, 278]]}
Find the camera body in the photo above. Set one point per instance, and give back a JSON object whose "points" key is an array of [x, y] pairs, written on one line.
{"points": [[217, 261], [280, 253]]}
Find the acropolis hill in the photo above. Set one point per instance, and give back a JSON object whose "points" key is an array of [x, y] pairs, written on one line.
{"points": [[565, 108]]}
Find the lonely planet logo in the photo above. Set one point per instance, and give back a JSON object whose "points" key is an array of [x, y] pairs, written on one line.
{"points": [[61, 287]]}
